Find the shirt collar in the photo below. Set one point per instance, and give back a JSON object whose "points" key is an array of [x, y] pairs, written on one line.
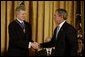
{"points": [[19, 20], [61, 24]]}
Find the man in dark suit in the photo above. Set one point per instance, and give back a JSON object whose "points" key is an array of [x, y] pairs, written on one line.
{"points": [[64, 37], [20, 34]]}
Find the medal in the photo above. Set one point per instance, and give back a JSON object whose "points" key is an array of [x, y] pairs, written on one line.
{"points": [[23, 30]]}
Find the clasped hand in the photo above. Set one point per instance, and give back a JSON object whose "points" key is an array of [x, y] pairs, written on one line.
{"points": [[35, 45]]}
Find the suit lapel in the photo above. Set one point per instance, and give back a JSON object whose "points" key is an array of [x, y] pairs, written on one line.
{"points": [[62, 30], [63, 27], [18, 23]]}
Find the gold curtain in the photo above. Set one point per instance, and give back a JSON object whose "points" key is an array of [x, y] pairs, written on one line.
{"points": [[39, 13]]}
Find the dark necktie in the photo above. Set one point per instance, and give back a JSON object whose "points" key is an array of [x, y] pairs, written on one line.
{"points": [[23, 26]]}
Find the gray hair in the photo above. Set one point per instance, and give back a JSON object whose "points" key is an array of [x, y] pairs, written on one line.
{"points": [[62, 12], [21, 7]]}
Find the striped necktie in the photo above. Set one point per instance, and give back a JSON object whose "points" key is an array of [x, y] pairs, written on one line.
{"points": [[23, 26]]}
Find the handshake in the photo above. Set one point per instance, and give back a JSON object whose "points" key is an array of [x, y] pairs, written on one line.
{"points": [[35, 45]]}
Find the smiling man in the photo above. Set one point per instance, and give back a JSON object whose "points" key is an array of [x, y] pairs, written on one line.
{"points": [[64, 38], [20, 34]]}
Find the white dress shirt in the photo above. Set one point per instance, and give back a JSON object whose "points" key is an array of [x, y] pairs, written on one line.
{"points": [[59, 27], [20, 20], [61, 24]]}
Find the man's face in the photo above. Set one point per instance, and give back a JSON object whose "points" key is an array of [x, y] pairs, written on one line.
{"points": [[58, 18], [21, 15]]}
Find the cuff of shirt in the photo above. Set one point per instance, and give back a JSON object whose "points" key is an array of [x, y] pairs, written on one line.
{"points": [[29, 44]]}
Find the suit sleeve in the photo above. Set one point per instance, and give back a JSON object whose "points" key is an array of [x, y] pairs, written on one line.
{"points": [[72, 39], [51, 43], [30, 36], [15, 38]]}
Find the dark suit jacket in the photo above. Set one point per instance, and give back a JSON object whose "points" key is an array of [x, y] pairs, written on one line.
{"points": [[65, 44], [18, 40]]}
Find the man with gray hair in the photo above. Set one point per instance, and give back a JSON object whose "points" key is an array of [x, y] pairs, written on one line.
{"points": [[20, 34], [64, 37]]}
